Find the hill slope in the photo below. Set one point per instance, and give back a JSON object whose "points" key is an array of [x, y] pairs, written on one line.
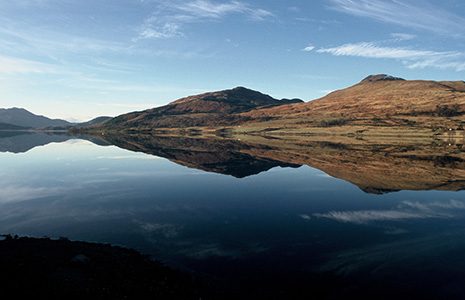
{"points": [[23, 118], [5, 127], [379, 105], [94, 122], [378, 100], [210, 109]]}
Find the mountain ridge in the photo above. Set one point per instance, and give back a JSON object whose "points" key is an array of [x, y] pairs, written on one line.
{"points": [[380, 101], [220, 108], [24, 118], [16, 118]]}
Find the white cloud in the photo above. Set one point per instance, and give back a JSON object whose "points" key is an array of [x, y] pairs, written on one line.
{"points": [[412, 14], [405, 211], [365, 216], [15, 37], [169, 17], [370, 50], [309, 48], [412, 58], [11, 65], [168, 30], [305, 217], [209, 9], [451, 205]]}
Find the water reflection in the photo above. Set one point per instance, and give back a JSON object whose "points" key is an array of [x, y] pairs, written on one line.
{"points": [[374, 167], [23, 141], [285, 230]]}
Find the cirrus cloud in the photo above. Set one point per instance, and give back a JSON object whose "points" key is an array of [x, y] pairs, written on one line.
{"points": [[12, 65], [406, 210], [412, 58], [169, 18], [407, 13]]}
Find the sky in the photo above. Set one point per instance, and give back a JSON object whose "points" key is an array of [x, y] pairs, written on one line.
{"points": [[77, 60]]}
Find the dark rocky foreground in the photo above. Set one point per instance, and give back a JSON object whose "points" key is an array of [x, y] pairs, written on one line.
{"points": [[61, 269], [45, 268]]}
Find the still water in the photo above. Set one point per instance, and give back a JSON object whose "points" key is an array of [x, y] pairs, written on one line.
{"points": [[248, 222]]}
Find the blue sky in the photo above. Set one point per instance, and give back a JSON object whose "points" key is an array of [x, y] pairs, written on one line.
{"points": [[81, 59]]}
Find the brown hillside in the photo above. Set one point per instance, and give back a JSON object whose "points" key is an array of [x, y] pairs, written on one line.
{"points": [[378, 99], [209, 109]]}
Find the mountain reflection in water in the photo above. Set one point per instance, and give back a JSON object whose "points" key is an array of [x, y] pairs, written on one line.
{"points": [[266, 229], [374, 167]]}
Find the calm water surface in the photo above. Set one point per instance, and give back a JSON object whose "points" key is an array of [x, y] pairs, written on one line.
{"points": [[286, 228]]}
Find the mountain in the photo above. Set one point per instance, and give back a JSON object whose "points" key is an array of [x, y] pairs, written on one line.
{"points": [[94, 122], [23, 118], [5, 126], [220, 108], [378, 105], [378, 100]]}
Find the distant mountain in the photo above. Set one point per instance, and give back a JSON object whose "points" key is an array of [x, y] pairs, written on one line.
{"points": [[23, 118], [210, 109], [4, 126], [93, 122]]}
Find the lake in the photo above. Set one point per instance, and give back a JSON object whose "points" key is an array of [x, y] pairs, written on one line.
{"points": [[263, 217]]}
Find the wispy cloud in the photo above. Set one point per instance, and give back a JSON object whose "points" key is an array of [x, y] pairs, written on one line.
{"points": [[12, 193], [64, 47], [164, 31], [371, 50], [405, 211], [209, 9], [43, 41], [169, 18], [412, 58], [11, 65], [412, 14], [165, 230], [309, 48], [29, 3], [366, 216]]}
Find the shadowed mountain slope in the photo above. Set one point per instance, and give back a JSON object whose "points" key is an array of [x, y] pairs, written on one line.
{"points": [[5, 126], [210, 109], [23, 118], [94, 122]]}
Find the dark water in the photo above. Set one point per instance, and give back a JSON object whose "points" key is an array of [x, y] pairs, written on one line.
{"points": [[251, 222]]}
